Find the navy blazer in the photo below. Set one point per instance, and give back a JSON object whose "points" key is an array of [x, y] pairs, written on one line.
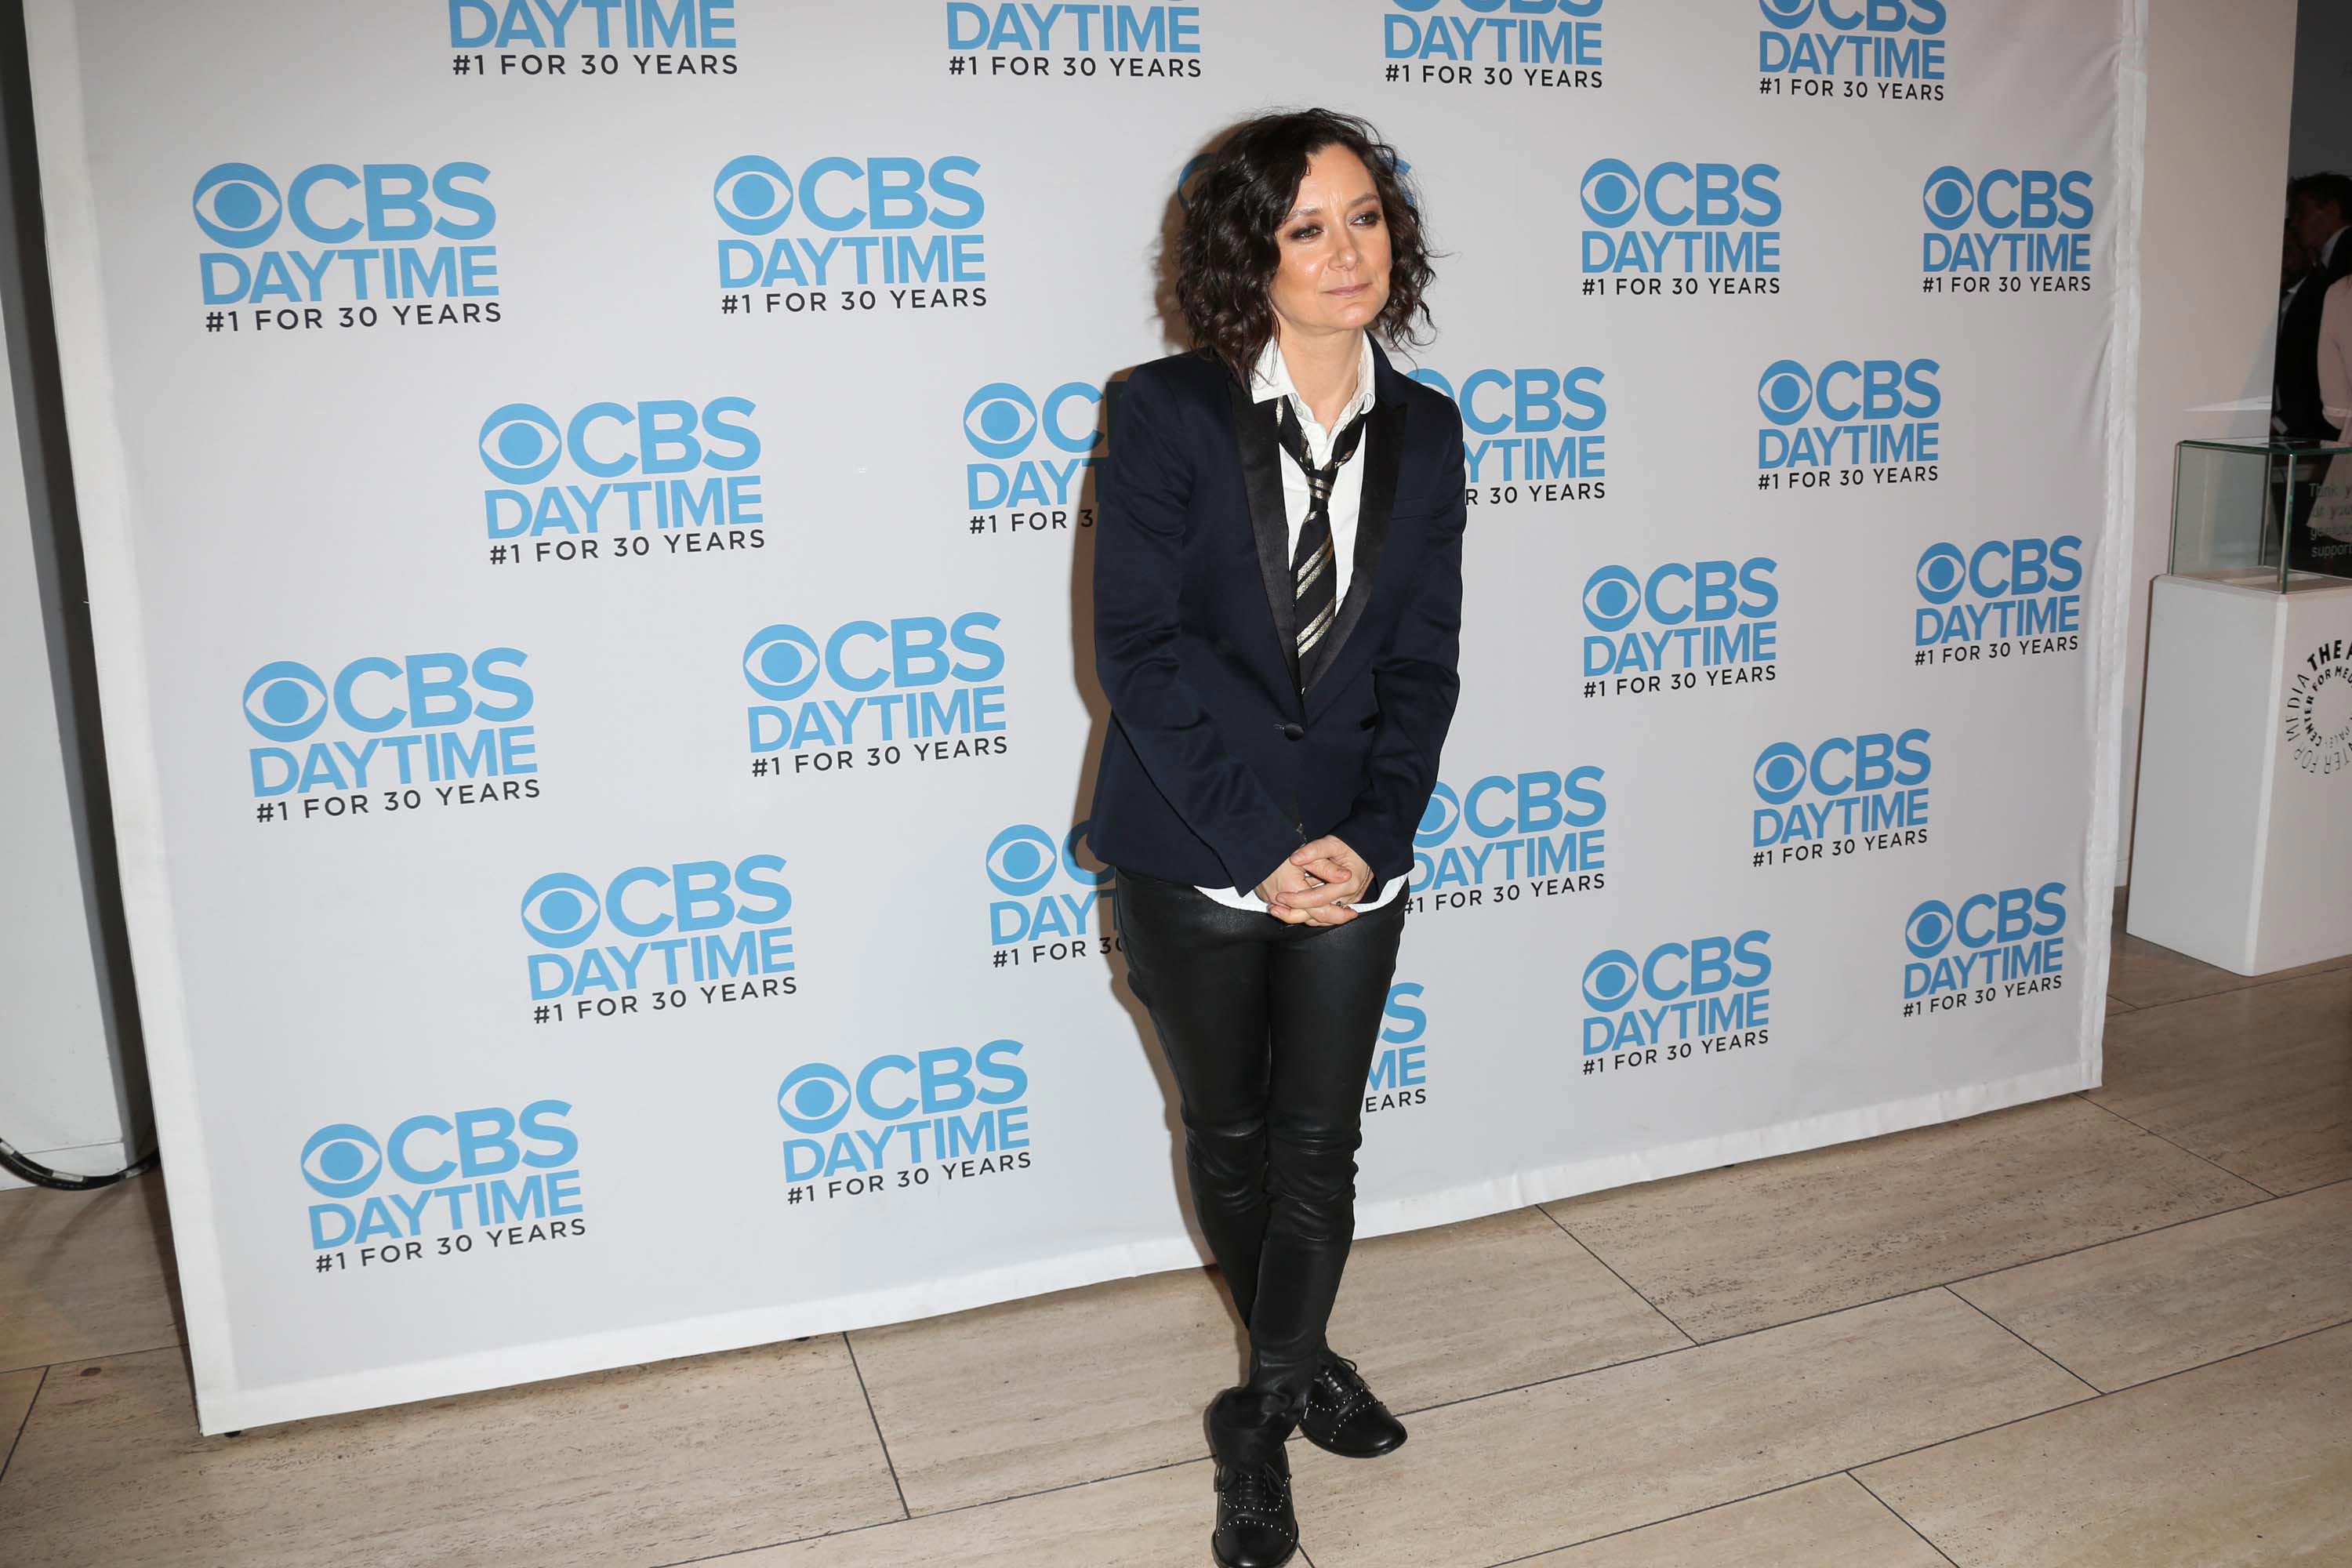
{"points": [[2295, 388], [1222, 755]]}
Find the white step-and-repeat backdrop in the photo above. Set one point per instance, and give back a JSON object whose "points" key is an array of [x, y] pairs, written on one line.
{"points": [[589, 514]]}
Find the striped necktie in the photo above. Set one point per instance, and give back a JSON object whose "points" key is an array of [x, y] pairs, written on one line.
{"points": [[1314, 581]]}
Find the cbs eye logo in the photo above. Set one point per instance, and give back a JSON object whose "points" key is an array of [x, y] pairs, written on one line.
{"points": [[2012, 915], [1022, 859], [1929, 929], [1942, 573], [341, 1160], [1999, 566], [1000, 420], [1612, 193], [1611, 980], [1923, 16], [1950, 196], [286, 701], [1785, 391], [1439, 818], [561, 909], [520, 444], [238, 206], [753, 195], [1612, 597], [1003, 421], [781, 661], [814, 1098], [1881, 389], [1781, 772]]}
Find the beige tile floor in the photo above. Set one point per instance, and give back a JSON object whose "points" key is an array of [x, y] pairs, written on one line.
{"points": [[2108, 1330]]}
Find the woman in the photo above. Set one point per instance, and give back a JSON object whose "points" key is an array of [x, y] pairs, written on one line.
{"points": [[1278, 599]]}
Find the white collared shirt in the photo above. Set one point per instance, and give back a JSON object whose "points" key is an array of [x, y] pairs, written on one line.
{"points": [[1270, 379]]}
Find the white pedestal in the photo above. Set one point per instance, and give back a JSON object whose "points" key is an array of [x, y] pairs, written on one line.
{"points": [[2242, 852]]}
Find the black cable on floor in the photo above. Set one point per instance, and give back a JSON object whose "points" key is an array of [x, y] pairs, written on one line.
{"points": [[40, 1176]]}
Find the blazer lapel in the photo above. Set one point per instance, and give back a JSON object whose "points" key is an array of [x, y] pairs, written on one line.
{"points": [[1261, 457], [1383, 451]]}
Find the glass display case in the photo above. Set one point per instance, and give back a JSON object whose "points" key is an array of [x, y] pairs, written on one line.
{"points": [[2268, 514]]}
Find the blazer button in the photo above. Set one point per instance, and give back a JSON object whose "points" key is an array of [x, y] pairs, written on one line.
{"points": [[1294, 731]]}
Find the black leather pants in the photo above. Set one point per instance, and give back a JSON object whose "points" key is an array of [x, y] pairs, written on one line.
{"points": [[1269, 1030]]}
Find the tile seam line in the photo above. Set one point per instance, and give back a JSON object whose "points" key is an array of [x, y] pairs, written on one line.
{"points": [[1693, 1513], [2264, 1202], [1988, 1273], [2184, 1148], [17, 1436], [2267, 1197], [1850, 1470], [1604, 1263], [1681, 1349], [937, 1513], [2316, 1186], [2102, 1394], [2251, 985], [1711, 1508], [1897, 1513], [2130, 1235], [866, 1393], [1948, 1286], [2233, 1355], [2020, 1338], [1804, 1480], [1942, 1285], [1149, 1469], [1856, 1463], [1443, 1404], [86, 1359], [778, 1545]]}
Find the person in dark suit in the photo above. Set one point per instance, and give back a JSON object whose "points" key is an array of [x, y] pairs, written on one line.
{"points": [[1278, 606], [2319, 207]]}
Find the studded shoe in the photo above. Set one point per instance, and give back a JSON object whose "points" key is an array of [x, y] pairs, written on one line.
{"points": [[1345, 1417], [1256, 1525]]}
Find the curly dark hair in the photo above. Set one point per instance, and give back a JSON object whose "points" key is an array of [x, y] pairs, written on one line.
{"points": [[1229, 249], [2323, 190]]}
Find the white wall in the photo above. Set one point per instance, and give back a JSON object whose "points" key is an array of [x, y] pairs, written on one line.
{"points": [[2219, 82], [71, 1074], [58, 1093]]}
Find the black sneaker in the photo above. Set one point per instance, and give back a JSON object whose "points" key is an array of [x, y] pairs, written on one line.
{"points": [[1344, 1417], [1256, 1526]]}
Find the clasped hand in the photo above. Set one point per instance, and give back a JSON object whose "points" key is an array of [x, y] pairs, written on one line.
{"points": [[1317, 884]]}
